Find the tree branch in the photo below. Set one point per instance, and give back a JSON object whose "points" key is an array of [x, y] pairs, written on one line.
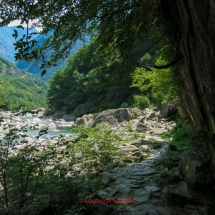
{"points": [[178, 58]]}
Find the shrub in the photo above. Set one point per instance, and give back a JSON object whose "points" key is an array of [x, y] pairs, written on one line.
{"points": [[184, 137], [97, 147], [35, 178], [141, 102], [125, 105]]}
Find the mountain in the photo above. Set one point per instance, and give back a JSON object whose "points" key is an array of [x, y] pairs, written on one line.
{"points": [[35, 68], [19, 88], [7, 49]]}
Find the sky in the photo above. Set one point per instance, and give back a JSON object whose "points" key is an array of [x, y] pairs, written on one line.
{"points": [[17, 22]]}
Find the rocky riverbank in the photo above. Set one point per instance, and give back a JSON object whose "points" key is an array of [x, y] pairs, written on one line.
{"points": [[147, 180]]}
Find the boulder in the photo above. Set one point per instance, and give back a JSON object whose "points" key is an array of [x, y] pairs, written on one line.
{"points": [[128, 148], [174, 179], [59, 114], [139, 126], [83, 109], [36, 121], [69, 117], [168, 110], [42, 127], [103, 209], [29, 140], [48, 112], [178, 195], [52, 126], [138, 142], [196, 173], [115, 116], [84, 119], [41, 109]]}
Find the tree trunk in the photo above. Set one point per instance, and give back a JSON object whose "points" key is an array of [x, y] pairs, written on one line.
{"points": [[197, 90]]}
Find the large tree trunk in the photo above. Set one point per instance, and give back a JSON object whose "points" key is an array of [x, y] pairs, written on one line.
{"points": [[197, 90]]}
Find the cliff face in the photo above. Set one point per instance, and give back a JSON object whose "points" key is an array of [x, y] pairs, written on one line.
{"points": [[197, 90]]}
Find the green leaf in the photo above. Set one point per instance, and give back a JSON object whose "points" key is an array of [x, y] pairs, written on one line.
{"points": [[43, 73], [20, 26]]}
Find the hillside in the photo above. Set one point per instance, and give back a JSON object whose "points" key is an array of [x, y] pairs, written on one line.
{"points": [[19, 88], [35, 68], [7, 51]]}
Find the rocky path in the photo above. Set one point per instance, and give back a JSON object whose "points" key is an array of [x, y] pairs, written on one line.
{"points": [[135, 190], [146, 180], [149, 181]]}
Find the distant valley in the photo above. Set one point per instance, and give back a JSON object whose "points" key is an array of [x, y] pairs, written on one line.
{"points": [[7, 51]]}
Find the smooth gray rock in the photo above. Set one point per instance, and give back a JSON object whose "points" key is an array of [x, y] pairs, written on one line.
{"points": [[85, 119], [52, 126], [174, 179], [135, 177], [195, 172], [139, 126], [152, 188], [102, 194], [124, 189], [146, 171], [163, 211], [168, 110], [128, 148], [141, 196], [145, 148], [138, 142], [115, 116]]}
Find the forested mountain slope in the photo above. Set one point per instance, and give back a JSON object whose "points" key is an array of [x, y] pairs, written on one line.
{"points": [[110, 82], [19, 88], [35, 69]]}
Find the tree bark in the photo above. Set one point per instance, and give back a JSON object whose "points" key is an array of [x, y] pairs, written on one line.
{"points": [[197, 45]]}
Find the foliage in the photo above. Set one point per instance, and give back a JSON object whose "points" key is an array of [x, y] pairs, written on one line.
{"points": [[90, 79], [166, 135], [160, 84], [118, 25], [20, 89], [184, 137], [141, 102], [37, 179], [97, 148], [125, 105], [125, 35]]}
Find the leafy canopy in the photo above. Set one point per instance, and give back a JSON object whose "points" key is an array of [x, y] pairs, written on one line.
{"points": [[117, 24]]}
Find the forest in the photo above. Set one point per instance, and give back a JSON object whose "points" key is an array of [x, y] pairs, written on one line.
{"points": [[111, 83], [19, 89]]}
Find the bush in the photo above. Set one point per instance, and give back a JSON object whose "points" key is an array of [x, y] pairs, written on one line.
{"points": [[97, 148], [42, 180], [141, 102], [184, 137], [125, 105]]}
